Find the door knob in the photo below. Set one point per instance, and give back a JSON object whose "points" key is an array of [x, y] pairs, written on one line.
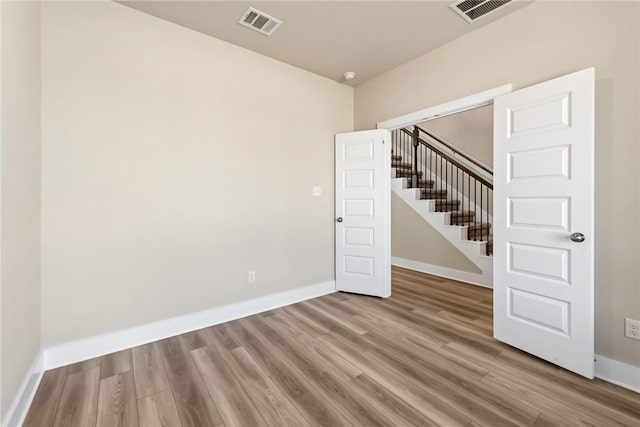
{"points": [[339, 219], [577, 237]]}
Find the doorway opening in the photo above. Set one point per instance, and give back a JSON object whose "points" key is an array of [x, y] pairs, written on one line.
{"points": [[446, 228], [435, 148]]}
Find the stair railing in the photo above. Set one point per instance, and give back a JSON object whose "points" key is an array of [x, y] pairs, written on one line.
{"points": [[453, 150], [456, 187]]}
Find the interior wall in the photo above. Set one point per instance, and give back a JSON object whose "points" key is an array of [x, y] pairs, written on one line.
{"points": [[469, 131], [536, 43], [19, 196], [172, 164]]}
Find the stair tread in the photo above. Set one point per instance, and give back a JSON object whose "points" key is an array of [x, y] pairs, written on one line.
{"points": [[423, 183], [398, 165], [402, 173], [444, 205], [433, 194], [476, 226], [463, 214]]}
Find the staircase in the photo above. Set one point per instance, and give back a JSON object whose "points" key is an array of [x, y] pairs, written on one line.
{"points": [[450, 190]]}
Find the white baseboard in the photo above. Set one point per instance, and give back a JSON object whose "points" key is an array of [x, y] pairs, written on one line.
{"points": [[436, 270], [618, 373], [18, 410], [100, 345]]}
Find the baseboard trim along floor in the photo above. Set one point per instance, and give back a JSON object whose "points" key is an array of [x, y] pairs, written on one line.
{"points": [[100, 345]]}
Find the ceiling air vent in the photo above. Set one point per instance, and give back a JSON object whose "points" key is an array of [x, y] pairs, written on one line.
{"points": [[472, 10], [260, 21]]}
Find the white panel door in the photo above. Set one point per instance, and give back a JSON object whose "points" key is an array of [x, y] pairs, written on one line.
{"points": [[363, 225], [543, 221]]}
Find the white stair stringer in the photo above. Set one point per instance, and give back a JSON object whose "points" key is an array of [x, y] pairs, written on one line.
{"points": [[475, 251]]}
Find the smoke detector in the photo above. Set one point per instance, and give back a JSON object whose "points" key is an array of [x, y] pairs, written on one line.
{"points": [[260, 21], [472, 10], [349, 75]]}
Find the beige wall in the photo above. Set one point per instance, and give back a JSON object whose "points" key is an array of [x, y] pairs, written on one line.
{"points": [[539, 42], [415, 239], [20, 195], [172, 164], [470, 131]]}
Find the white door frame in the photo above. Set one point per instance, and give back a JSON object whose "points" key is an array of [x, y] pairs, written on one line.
{"points": [[476, 100], [452, 107]]}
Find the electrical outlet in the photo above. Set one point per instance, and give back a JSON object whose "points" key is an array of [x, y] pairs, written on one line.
{"points": [[632, 329], [316, 191], [251, 277]]}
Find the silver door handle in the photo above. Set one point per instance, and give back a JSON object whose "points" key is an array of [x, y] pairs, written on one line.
{"points": [[339, 219], [577, 237]]}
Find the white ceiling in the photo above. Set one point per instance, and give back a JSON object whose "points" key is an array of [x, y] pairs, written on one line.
{"points": [[329, 37]]}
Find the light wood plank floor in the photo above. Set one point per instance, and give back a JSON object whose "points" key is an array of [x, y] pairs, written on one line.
{"points": [[425, 356]]}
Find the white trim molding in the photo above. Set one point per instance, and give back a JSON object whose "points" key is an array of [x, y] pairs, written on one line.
{"points": [[618, 373], [20, 406], [446, 109], [100, 345], [436, 270]]}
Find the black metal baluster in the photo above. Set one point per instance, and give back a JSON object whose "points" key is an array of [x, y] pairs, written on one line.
{"points": [[446, 182], [414, 177], [404, 150], [481, 191], [395, 144], [469, 197], [431, 175], [475, 205], [440, 172], [441, 175], [423, 157], [454, 180]]}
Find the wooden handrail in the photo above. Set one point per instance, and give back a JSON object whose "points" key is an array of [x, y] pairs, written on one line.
{"points": [[451, 160], [455, 151]]}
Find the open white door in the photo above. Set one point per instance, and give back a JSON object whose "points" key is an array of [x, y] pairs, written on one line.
{"points": [[363, 210], [543, 220]]}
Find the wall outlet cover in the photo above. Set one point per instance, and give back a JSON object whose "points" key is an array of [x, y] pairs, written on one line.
{"points": [[632, 328]]}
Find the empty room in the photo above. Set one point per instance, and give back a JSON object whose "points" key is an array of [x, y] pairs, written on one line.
{"points": [[319, 213]]}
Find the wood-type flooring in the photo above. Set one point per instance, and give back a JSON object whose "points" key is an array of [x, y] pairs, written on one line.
{"points": [[423, 357]]}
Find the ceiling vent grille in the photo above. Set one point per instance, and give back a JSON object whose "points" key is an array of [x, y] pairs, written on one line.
{"points": [[260, 21], [472, 10]]}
